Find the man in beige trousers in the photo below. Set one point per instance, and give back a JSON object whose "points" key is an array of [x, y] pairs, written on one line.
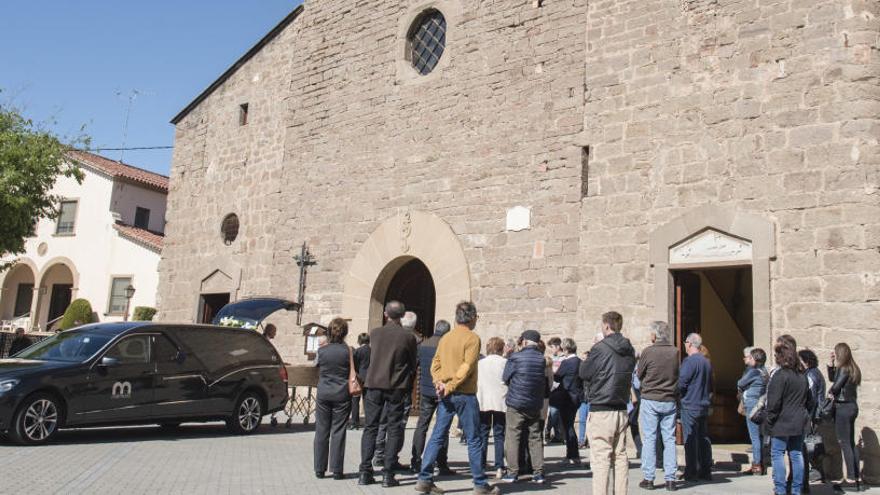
{"points": [[607, 377]]}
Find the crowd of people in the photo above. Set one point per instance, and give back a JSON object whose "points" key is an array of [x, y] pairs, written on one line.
{"points": [[523, 394]]}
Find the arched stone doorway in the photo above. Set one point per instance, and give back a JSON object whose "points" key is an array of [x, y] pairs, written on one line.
{"points": [[409, 281], [16, 299], [397, 241], [57, 288], [712, 277]]}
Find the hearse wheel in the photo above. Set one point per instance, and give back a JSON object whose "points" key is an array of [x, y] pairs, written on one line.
{"points": [[37, 420], [247, 415]]}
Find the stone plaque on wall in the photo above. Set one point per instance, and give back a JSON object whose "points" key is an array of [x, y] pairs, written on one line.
{"points": [[518, 218], [711, 246]]}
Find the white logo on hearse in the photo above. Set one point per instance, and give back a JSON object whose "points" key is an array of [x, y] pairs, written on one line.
{"points": [[121, 390]]}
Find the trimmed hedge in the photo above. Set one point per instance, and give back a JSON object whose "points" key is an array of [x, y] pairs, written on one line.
{"points": [[79, 310]]}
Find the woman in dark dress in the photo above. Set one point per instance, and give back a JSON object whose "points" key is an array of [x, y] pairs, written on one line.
{"points": [[333, 400], [788, 405], [846, 377]]}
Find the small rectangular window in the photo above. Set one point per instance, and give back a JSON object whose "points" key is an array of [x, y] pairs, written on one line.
{"points": [[142, 218], [117, 295], [66, 218], [243, 114], [585, 171]]}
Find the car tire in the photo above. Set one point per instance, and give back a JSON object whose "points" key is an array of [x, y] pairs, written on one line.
{"points": [[247, 415], [37, 420]]}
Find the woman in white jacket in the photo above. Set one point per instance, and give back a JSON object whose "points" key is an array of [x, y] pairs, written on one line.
{"points": [[491, 393]]}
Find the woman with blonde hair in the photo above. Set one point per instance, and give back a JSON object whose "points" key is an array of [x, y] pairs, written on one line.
{"points": [[846, 376]]}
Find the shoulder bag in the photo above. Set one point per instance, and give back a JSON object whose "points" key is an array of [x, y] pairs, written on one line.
{"points": [[354, 386]]}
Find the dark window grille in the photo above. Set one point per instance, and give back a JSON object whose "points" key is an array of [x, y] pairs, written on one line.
{"points": [[229, 228], [427, 41]]}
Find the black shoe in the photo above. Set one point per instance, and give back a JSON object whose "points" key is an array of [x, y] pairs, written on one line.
{"points": [[428, 487], [338, 476], [445, 471], [399, 468], [366, 479], [647, 485], [319, 475], [487, 490], [670, 486], [389, 481], [415, 467]]}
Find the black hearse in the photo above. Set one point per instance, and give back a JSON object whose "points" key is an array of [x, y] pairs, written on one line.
{"points": [[142, 372]]}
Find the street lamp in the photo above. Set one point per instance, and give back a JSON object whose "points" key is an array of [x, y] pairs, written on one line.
{"points": [[129, 293]]}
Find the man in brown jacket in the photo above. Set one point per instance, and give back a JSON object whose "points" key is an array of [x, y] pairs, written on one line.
{"points": [[389, 380], [657, 372]]}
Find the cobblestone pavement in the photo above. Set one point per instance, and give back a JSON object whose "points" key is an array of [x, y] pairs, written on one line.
{"points": [[205, 459]]}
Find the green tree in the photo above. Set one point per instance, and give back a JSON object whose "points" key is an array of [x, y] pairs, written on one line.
{"points": [[79, 311], [31, 159]]}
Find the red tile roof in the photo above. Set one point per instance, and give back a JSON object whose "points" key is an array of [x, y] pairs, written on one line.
{"points": [[144, 237], [120, 170]]}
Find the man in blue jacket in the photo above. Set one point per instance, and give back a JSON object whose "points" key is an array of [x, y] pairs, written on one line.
{"points": [[695, 390], [526, 378]]}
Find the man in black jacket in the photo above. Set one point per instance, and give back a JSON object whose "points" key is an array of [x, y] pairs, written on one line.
{"points": [[20, 343], [389, 380], [607, 377], [361, 357], [428, 401]]}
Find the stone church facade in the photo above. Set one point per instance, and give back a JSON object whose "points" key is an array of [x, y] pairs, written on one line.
{"points": [[711, 163]]}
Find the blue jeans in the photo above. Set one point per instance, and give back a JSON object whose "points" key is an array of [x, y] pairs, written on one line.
{"points": [[496, 422], [697, 447], [653, 414], [794, 445], [582, 419], [754, 431], [467, 409]]}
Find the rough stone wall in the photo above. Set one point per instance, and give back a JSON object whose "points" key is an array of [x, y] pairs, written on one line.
{"points": [[220, 167], [489, 130], [765, 106]]}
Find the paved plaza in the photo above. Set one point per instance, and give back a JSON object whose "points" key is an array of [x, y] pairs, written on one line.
{"points": [[205, 459]]}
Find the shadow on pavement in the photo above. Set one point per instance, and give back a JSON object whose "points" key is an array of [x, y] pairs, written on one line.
{"points": [[148, 433]]}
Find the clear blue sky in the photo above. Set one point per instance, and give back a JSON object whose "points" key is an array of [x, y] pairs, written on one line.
{"points": [[77, 61]]}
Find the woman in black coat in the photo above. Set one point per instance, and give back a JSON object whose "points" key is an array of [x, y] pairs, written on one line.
{"points": [[846, 376], [333, 403], [788, 405]]}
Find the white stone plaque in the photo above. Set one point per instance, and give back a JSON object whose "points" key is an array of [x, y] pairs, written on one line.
{"points": [[518, 218], [711, 246]]}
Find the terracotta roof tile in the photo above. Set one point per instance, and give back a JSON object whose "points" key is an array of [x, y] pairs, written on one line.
{"points": [[121, 170], [150, 239]]}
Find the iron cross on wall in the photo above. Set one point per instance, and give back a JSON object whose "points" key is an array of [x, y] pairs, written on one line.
{"points": [[303, 260]]}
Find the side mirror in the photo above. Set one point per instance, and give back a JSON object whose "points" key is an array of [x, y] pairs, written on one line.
{"points": [[108, 362]]}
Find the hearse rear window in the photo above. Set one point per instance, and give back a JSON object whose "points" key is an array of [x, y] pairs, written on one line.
{"points": [[223, 348]]}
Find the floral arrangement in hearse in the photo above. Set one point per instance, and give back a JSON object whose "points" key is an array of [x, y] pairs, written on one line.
{"points": [[231, 321]]}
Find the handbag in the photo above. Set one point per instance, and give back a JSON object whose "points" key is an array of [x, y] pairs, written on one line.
{"points": [[354, 386], [758, 414]]}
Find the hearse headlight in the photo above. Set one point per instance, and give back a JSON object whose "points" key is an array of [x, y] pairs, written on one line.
{"points": [[7, 385]]}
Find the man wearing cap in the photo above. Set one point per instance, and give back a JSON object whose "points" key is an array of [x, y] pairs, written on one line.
{"points": [[527, 386]]}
